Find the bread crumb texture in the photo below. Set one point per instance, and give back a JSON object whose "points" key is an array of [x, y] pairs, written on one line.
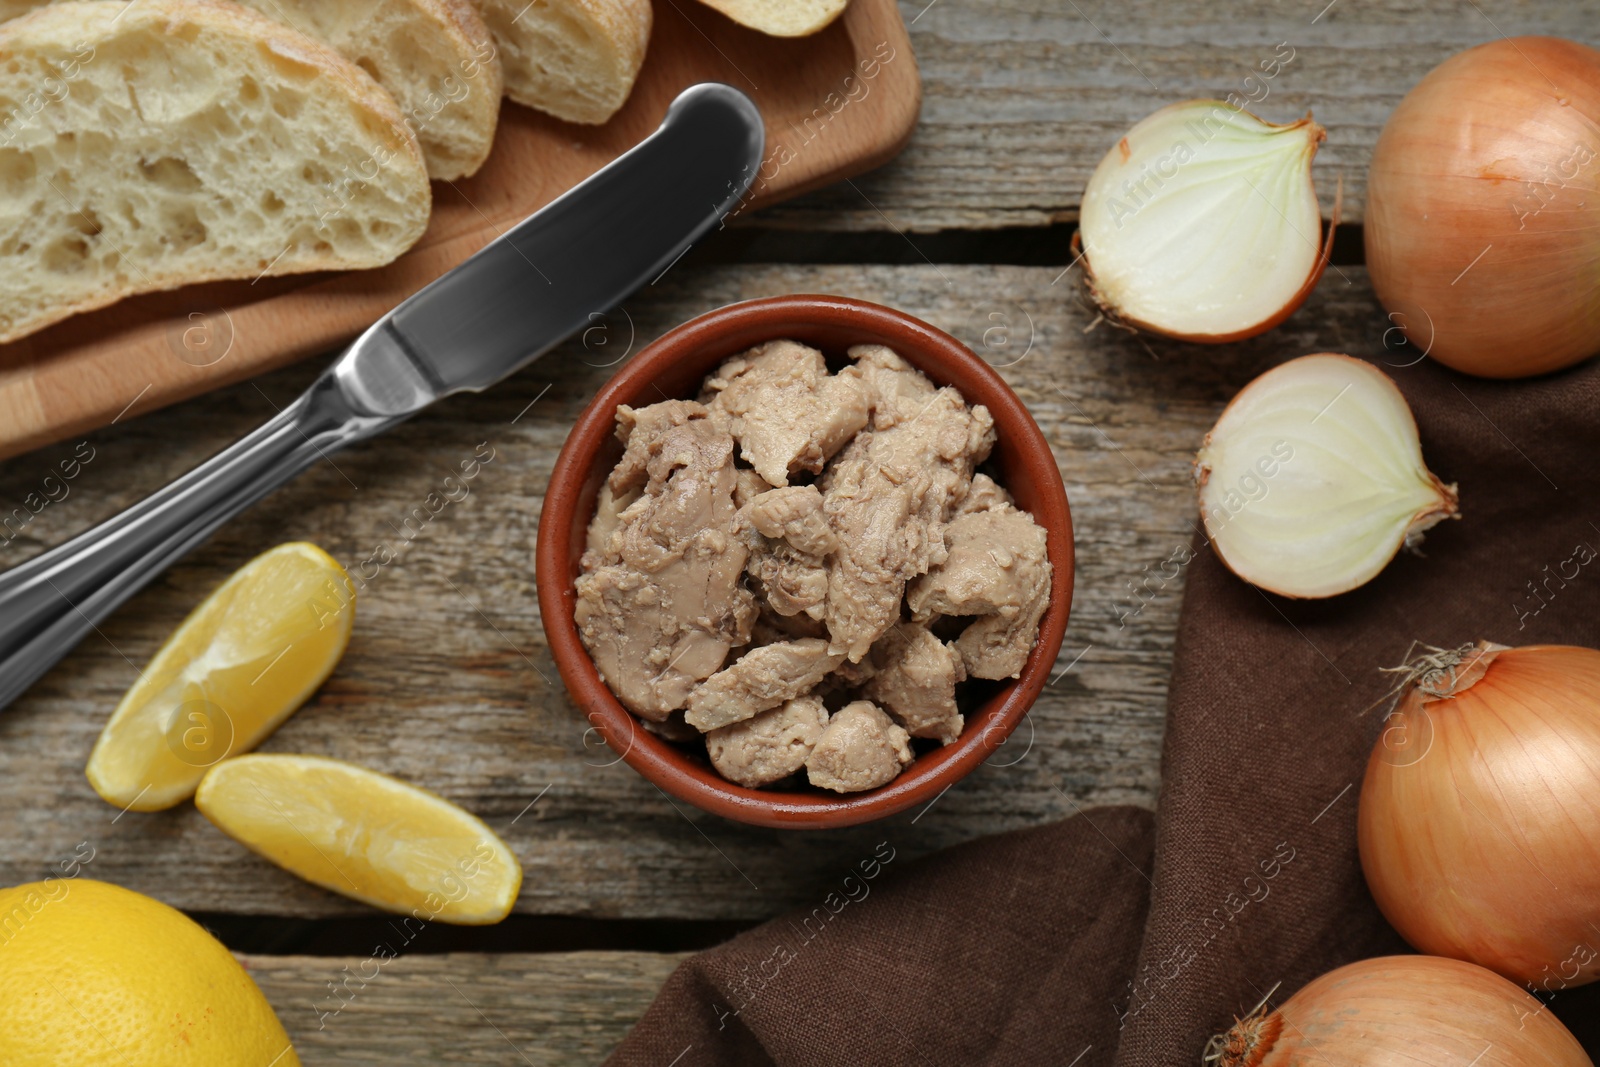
{"points": [[435, 57], [576, 59], [149, 145]]}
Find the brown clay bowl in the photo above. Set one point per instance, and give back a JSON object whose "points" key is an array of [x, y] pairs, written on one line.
{"points": [[674, 366]]}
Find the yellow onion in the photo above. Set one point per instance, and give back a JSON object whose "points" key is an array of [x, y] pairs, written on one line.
{"points": [[1401, 1011], [1483, 219], [1312, 478], [1202, 223], [1480, 811]]}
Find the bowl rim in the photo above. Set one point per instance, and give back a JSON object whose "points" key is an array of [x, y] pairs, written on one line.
{"points": [[664, 763]]}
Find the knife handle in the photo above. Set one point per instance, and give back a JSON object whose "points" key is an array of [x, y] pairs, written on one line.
{"points": [[50, 602]]}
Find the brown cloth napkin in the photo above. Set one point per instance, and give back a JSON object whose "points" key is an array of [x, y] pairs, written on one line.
{"points": [[1121, 939]]}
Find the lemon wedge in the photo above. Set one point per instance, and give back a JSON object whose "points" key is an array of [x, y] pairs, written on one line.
{"points": [[95, 973], [365, 835], [240, 664]]}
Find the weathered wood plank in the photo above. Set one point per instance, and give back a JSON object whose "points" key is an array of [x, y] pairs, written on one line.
{"points": [[447, 681], [559, 1008], [1021, 98]]}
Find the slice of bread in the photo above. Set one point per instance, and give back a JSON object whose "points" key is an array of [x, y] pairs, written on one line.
{"points": [[435, 56], [575, 59], [151, 144], [781, 18]]}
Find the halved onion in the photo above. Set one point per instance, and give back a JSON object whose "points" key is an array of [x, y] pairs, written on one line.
{"points": [[1483, 209], [1313, 478], [1202, 223], [1401, 1010]]}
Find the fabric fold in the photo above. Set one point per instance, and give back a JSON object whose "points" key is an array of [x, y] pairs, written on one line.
{"points": [[975, 957], [1117, 938]]}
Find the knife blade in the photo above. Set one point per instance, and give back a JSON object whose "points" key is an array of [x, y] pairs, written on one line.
{"points": [[538, 283], [515, 299]]}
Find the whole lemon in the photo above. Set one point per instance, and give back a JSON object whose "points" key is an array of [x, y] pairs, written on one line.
{"points": [[91, 973]]}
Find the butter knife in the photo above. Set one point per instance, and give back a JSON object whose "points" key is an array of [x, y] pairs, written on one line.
{"points": [[508, 304]]}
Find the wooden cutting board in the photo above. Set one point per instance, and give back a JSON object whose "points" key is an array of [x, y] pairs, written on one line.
{"points": [[837, 103]]}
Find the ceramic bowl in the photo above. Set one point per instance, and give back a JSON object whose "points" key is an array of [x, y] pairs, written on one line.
{"points": [[674, 366]]}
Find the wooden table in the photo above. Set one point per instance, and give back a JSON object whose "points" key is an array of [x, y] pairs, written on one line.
{"points": [[448, 682]]}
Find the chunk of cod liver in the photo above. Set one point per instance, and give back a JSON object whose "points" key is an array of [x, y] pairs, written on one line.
{"points": [[762, 678], [787, 412], [770, 746], [887, 493], [982, 495], [789, 546], [915, 678], [861, 748], [998, 567], [602, 546], [663, 603]]}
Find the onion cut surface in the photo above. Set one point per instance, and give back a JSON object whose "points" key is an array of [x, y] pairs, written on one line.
{"points": [[1313, 478], [1202, 223]]}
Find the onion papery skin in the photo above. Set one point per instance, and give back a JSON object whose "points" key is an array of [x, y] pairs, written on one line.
{"points": [[1479, 817], [1483, 209], [1202, 223], [1313, 478], [1404, 1011]]}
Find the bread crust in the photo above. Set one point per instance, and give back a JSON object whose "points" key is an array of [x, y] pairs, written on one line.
{"points": [[756, 14], [462, 33], [627, 23], [461, 21], [622, 25], [95, 22]]}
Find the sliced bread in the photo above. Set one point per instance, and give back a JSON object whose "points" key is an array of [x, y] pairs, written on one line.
{"points": [[151, 144], [435, 56], [781, 18], [575, 59]]}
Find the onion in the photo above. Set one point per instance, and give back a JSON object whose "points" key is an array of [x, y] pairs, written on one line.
{"points": [[1313, 478], [1401, 1011], [1483, 219], [1480, 812], [1202, 223]]}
